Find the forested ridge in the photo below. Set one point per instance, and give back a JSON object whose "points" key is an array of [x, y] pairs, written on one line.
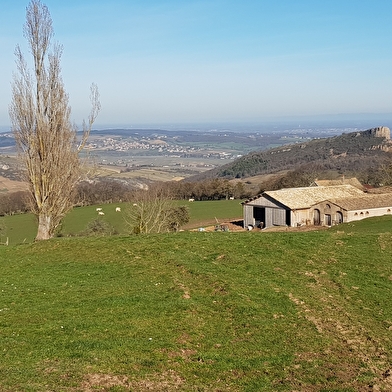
{"points": [[351, 153]]}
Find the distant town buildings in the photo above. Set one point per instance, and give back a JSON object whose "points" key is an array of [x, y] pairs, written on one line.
{"points": [[158, 146]]}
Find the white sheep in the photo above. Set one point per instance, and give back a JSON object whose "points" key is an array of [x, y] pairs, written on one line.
{"points": [[98, 209], [118, 209], [101, 213]]}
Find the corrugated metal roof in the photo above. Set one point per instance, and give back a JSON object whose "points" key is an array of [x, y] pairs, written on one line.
{"points": [[365, 202], [299, 198]]}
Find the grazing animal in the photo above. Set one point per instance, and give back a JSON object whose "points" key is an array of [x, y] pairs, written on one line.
{"points": [[98, 209], [191, 199], [231, 198], [101, 213], [134, 204], [118, 209]]}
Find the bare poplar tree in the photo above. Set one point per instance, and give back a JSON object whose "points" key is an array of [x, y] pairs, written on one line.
{"points": [[40, 117]]}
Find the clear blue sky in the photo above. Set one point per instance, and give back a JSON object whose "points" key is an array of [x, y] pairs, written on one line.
{"points": [[176, 61]]}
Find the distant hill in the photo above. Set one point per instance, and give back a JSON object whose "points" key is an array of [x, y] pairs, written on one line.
{"points": [[10, 168], [7, 141], [348, 153]]}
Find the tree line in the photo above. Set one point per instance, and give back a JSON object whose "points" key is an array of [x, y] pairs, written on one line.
{"points": [[112, 190]]}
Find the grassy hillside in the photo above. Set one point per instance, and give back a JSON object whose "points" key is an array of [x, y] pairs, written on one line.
{"points": [[196, 311], [22, 228]]}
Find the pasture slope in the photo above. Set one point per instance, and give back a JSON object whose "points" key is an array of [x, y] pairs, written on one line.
{"points": [[23, 228], [198, 311]]}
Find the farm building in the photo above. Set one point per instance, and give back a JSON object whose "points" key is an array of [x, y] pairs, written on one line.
{"points": [[350, 209], [319, 205]]}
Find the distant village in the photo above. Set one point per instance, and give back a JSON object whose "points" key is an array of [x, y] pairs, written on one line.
{"points": [[158, 146]]}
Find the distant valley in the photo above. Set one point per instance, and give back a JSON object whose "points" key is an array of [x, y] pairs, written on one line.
{"points": [[140, 156]]}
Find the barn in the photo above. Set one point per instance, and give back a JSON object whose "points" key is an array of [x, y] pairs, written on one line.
{"points": [[319, 205]]}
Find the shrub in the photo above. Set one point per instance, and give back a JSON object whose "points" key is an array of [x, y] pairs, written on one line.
{"points": [[98, 228]]}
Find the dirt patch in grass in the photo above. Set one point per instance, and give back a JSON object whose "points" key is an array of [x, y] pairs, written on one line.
{"points": [[186, 294], [167, 381], [101, 382], [235, 226]]}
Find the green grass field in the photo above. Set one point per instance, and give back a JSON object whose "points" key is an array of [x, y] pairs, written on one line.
{"points": [[22, 228], [195, 311]]}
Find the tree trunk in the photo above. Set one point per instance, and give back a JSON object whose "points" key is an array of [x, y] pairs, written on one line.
{"points": [[43, 227]]}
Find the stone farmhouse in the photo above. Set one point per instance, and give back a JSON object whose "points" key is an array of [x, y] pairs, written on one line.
{"points": [[315, 205]]}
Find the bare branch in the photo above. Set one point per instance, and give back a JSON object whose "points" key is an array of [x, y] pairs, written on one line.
{"points": [[95, 109]]}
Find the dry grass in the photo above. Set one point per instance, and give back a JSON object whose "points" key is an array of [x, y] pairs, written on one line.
{"points": [[7, 185]]}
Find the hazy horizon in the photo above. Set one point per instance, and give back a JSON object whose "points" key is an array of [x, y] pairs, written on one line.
{"points": [[340, 121], [216, 61]]}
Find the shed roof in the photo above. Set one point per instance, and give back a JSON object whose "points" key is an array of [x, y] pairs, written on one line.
{"points": [[340, 181], [299, 198], [365, 202], [383, 189]]}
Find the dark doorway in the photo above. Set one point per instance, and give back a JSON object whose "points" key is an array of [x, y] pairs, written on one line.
{"points": [[259, 216], [339, 217], [316, 217], [288, 217], [328, 219]]}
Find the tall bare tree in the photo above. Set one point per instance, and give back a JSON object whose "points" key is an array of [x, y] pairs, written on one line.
{"points": [[40, 117]]}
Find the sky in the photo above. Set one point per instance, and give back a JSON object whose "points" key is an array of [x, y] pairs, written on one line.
{"points": [[199, 61]]}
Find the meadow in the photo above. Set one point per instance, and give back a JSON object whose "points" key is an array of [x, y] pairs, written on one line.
{"points": [[200, 311], [22, 228]]}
